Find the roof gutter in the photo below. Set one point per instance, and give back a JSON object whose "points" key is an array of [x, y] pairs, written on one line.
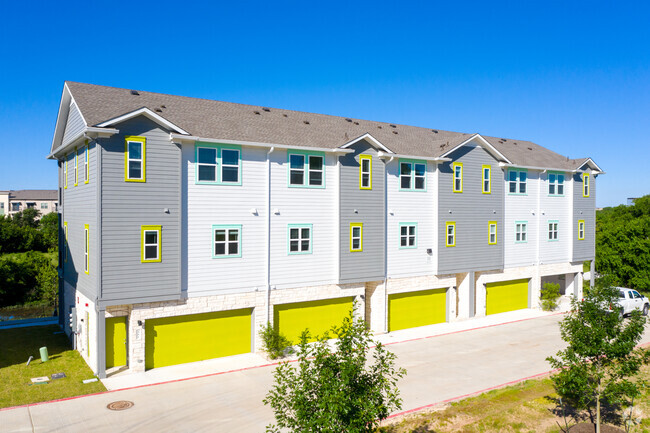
{"points": [[437, 159], [503, 164], [179, 138], [90, 133]]}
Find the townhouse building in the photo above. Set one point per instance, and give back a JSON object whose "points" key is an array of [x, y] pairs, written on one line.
{"points": [[187, 224]]}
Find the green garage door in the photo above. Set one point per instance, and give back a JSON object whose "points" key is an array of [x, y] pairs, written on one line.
{"points": [[195, 337], [115, 341], [317, 316], [412, 309], [506, 296]]}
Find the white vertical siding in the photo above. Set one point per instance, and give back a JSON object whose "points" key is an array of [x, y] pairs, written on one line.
{"points": [[521, 208], [411, 206], [315, 206], [226, 204]]}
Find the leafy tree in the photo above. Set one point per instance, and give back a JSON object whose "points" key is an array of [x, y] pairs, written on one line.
{"points": [[549, 296], [49, 226], [27, 218], [336, 391], [601, 358], [623, 244]]}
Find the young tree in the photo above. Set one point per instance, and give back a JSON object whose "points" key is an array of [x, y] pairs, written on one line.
{"points": [[601, 358], [336, 391]]}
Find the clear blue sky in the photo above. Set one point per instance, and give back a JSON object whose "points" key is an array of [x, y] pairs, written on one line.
{"points": [[571, 76]]}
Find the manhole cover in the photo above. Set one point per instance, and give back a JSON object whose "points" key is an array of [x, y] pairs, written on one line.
{"points": [[120, 405]]}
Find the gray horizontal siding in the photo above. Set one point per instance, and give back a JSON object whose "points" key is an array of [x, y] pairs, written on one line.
{"points": [[366, 265], [74, 125], [126, 206], [80, 208], [584, 208], [471, 210]]}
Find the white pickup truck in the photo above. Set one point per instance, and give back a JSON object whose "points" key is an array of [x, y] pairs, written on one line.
{"points": [[630, 300]]}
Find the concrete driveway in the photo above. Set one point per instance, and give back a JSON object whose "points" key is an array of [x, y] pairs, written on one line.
{"points": [[439, 368]]}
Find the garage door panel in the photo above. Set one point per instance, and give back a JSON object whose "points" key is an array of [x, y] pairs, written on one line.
{"points": [[317, 316], [196, 337], [413, 309], [506, 296]]}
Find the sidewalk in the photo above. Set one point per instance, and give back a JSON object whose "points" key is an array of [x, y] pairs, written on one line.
{"points": [[126, 380]]}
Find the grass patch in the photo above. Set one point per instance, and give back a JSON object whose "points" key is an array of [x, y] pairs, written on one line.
{"points": [[526, 407], [15, 385]]}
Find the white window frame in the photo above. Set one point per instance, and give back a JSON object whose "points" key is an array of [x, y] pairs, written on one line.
{"points": [[521, 232], [227, 242], [300, 239], [553, 230], [411, 235]]}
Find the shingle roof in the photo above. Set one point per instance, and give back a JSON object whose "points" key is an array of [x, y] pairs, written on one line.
{"points": [[34, 194], [229, 121]]}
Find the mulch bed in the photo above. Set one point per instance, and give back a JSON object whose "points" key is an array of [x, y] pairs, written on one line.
{"points": [[587, 427]]}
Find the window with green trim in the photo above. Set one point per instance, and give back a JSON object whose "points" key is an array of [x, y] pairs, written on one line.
{"points": [[365, 172], [457, 168], [412, 175], [553, 230], [450, 234], [356, 237], [408, 235], [218, 164], [492, 233], [581, 230], [585, 184], [306, 170], [150, 244], [486, 175], [555, 184], [76, 166], [86, 249], [226, 241], [517, 181], [521, 231], [86, 164], [299, 238], [135, 151]]}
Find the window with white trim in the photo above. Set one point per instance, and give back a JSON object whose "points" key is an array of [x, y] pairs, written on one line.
{"points": [[300, 238], [306, 170], [552, 230], [521, 231], [492, 233], [150, 244], [226, 240], [365, 172], [517, 181], [356, 237], [556, 184], [135, 159]]}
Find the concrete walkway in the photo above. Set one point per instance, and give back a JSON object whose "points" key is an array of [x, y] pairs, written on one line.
{"points": [[440, 367]]}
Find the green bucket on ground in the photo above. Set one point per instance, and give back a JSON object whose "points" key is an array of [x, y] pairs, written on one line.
{"points": [[44, 356]]}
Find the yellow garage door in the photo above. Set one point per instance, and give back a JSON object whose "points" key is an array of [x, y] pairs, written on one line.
{"points": [[506, 296], [317, 316], [115, 341], [412, 309], [195, 337]]}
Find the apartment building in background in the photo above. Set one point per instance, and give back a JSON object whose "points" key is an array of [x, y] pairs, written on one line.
{"points": [[187, 224], [44, 200]]}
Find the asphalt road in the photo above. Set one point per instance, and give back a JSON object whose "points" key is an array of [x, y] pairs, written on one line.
{"points": [[439, 368]]}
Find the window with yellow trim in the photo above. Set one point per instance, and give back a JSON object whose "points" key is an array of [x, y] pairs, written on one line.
{"points": [[457, 168], [135, 159], [585, 184], [65, 241], [65, 172], [86, 249], [486, 176], [581, 230], [450, 234], [365, 172], [492, 233], [76, 166], [150, 243], [86, 164], [356, 237]]}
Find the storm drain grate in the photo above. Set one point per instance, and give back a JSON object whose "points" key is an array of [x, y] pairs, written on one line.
{"points": [[120, 405]]}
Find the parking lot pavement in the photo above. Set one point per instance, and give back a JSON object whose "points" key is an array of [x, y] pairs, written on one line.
{"points": [[440, 368]]}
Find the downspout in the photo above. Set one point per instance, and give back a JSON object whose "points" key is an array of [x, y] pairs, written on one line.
{"points": [[538, 272], [268, 235], [386, 244]]}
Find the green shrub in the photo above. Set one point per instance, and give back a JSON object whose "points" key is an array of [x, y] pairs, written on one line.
{"points": [[275, 344], [549, 296]]}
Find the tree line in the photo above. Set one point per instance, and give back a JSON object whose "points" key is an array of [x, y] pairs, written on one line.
{"points": [[28, 257]]}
